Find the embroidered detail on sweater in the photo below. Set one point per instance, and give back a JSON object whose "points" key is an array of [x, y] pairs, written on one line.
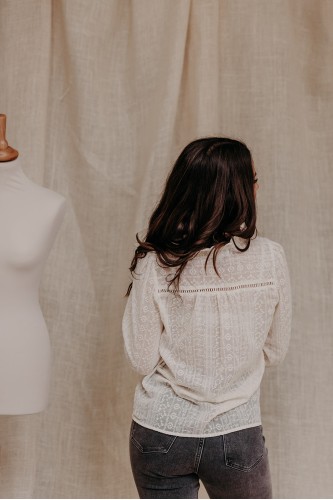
{"points": [[217, 289], [203, 357]]}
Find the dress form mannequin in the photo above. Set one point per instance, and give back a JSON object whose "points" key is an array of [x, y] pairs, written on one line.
{"points": [[30, 216]]}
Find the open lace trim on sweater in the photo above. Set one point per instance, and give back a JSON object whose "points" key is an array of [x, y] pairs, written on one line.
{"points": [[216, 289]]}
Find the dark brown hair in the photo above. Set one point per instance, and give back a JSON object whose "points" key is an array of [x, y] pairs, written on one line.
{"points": [[207, 200]]}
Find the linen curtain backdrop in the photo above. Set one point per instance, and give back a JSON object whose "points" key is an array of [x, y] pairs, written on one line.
{"points": [[100, 98]]}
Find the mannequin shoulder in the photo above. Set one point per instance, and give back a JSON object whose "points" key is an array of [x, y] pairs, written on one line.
{"points": [[44, 195], [50, 203], [56, 204], [54, 199]]}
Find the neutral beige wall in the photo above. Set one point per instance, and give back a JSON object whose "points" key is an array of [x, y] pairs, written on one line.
{"points": [[100, 98]]}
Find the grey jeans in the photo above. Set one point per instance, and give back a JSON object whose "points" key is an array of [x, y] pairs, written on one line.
{"points": [[233, 465]]}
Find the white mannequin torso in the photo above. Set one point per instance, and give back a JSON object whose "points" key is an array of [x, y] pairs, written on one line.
{"points": [[30, 216]]}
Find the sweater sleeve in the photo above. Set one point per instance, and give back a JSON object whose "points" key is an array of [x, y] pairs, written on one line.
{"points": [[278, 338], [142, 325]]}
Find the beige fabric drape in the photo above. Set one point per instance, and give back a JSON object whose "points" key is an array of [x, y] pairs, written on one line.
{"points": [[100, 98]]}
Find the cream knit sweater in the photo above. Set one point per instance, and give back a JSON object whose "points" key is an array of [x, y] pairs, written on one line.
{"points": [[203, 354]]}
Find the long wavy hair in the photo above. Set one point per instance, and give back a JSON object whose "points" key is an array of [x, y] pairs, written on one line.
{"points": [[207, 200]]}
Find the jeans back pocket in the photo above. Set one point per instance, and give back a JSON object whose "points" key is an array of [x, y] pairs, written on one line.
{"points": [[244, 449], [150, 441]]}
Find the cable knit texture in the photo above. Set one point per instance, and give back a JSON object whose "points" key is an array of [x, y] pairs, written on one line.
{"points": [[203, 353]]}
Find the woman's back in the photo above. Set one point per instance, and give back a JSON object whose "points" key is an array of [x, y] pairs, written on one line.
{"points": [[209, 308], [203, 351]]}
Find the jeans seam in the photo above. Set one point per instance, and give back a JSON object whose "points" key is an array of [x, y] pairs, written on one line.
{"points": [[198, 454]]}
